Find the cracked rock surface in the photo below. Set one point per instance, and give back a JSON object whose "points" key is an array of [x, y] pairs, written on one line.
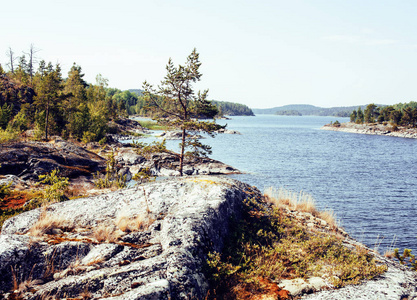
{"points": [[151, 242], [100, 256]]}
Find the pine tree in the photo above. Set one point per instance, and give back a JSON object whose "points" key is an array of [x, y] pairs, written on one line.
{"points": [[353, 116], [175, 104], [370, 113], [48, 97], [360, 116]]}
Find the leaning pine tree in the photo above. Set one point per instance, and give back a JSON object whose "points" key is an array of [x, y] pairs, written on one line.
{"points": [[175, 105]]}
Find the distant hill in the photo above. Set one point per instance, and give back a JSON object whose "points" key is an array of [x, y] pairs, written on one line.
{"points": [[139, 92], [310, 110], [232, 109]]}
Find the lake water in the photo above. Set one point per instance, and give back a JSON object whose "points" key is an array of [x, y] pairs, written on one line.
{"points": [[369, 181]]}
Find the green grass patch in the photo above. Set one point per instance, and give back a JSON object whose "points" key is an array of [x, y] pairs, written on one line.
{"points": [[131, 133], [153, 125], [268, 244]]}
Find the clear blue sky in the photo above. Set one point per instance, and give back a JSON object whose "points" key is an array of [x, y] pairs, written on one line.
{"points": [[261, 53]]}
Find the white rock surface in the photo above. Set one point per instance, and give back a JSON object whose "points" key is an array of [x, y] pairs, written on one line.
{"points": [[162, 262]]}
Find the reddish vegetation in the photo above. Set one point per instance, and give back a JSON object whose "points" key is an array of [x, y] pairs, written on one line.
{"points": [[14, 200], [247, 291]]}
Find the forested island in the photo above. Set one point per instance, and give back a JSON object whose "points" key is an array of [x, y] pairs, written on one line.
{"points": [[288, 113], [393, 120]]}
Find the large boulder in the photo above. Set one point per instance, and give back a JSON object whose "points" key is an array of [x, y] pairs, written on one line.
{"points": [[30, 159], [186, 218]]}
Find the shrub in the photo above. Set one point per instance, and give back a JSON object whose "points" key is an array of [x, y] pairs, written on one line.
{"points": [[111, 178], [5, 189], [144, 175], [268, 244], [88, 137], [406, 258], [56, 186], [8, 135]]}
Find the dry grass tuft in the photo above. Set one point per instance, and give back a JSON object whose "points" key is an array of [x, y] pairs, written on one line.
{"points": [[127, 223], [301, 201], [48, 224], [329, 216], [106, 233], [296, 201], [97, 261]]}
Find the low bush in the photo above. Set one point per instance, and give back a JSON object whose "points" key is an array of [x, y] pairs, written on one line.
{"points": [[8, 135], [55, 186], [267, 244], [5, 190], [111, 177], [406, 258]]}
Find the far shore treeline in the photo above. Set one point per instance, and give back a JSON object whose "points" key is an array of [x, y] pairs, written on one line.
{"points": [[39, 98], [401, 114]]}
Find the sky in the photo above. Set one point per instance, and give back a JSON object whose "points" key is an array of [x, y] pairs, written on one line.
{"points": [[262, 53]]}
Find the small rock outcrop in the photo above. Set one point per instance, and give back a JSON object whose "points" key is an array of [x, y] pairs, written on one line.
{"points": [[167, 164], [148, 242], [175, 135], [373, 129], [29, 159]]}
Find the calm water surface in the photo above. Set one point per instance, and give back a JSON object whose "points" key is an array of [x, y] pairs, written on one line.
{"points": [[369, 181]]}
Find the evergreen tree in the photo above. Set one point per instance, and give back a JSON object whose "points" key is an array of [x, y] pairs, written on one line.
{"points": [[48, 97], [353, 116], [360, 116], [21, 73], [370, 113], [75, 103], [175, 104], [395, 116]]}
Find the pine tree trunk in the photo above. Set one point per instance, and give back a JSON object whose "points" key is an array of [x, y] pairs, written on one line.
{"points": [[182, 151], [46, 120]]}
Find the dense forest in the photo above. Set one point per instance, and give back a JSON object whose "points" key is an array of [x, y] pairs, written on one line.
{"points": [[42, 100], [401, 114], [38, 97]]}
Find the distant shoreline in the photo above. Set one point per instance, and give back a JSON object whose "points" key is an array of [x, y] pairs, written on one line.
{"points": [[373, 129]]}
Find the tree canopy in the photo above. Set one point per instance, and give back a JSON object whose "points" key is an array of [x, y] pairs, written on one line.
{"points": [[403, 114], [174, 103]]}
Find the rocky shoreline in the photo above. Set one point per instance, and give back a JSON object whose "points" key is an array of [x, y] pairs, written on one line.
{"points": [[24, 160], [373, 129], [95, 247]]}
